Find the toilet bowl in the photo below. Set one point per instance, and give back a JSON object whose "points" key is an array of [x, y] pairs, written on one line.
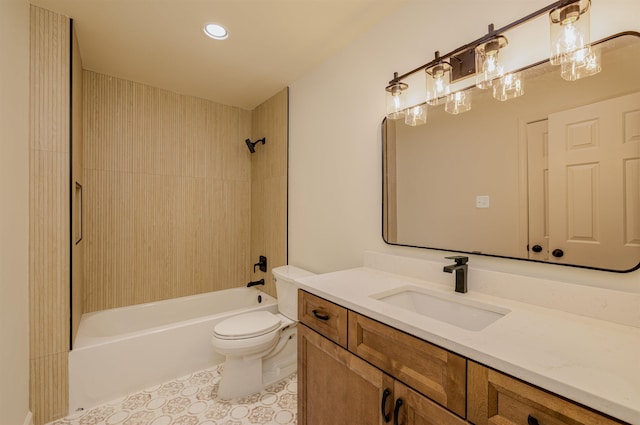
{"points": [[260, 348]]}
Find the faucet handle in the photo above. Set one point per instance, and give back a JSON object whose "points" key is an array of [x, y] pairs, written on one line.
{"points": [[459, 259]]}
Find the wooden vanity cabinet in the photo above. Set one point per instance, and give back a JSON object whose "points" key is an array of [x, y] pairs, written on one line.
{"points": [[340, 386], [355, 370], [498, 399]]}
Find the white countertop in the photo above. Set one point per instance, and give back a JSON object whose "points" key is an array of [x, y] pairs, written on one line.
{"points": [[593, 362]]}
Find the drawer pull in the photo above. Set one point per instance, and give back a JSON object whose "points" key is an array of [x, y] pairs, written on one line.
{"points": [[319, 315], [385, 396], [396, 411], [532, 420]]}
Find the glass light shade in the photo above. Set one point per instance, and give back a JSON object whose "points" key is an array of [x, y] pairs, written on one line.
{"points": [[581, 63], [416, 115], [458, 102], [395, 101], [438, 79], [508, 86], [570, 29], [488, 67]]}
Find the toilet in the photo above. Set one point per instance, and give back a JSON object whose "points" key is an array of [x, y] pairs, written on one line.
{"points": [[260, 347]]}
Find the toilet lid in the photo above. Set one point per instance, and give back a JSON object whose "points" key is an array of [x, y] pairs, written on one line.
{"points": [[247, 325]]}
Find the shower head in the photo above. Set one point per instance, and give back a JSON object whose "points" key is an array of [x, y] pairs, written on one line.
{"points": [[252, 145]]}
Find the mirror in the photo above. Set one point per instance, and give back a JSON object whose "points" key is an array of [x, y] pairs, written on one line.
{"points": [[551, 176]]}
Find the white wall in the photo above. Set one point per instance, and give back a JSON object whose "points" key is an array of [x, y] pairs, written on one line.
{"points": [[14, 211], [335, 114]]}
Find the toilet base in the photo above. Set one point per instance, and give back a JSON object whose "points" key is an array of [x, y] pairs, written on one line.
{"points": [[241, 377]]}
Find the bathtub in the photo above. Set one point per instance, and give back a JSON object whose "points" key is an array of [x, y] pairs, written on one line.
{"points": [[127, 349]]}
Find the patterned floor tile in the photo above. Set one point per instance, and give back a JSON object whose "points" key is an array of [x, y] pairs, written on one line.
{"points": [[192, 400]]}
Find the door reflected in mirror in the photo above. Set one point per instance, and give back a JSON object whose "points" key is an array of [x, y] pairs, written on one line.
{"points": [[551, 176]]}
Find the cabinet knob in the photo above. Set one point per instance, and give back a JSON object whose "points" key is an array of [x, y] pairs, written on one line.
{"points": [[320, 315], [385, 395], [396, 411], [557, 253], [531, 420], [536, 248]]}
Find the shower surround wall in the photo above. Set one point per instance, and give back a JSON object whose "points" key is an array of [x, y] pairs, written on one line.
{"points": [[167, 194], [269, 186]]}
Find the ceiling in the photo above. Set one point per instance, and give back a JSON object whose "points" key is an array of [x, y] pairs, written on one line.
{"points": [[271, 42]]}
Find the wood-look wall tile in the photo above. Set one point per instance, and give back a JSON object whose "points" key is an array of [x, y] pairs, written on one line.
{"points": [[49, 388], [269, 186], [49, 49], [49, 241], [49, 224], [177, 221]]}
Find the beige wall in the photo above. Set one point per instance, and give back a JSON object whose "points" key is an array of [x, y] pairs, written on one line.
{"points": [[49, 241], [335, 170], [269, 186], [167, 194], [14, 211]]}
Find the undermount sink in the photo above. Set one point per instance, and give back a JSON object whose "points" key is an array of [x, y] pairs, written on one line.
{"points": [[449, 308]]}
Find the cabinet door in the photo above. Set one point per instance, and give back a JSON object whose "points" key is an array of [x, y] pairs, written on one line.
{"points": [[336, 387], [495, 398], [416, 409], [433, 371]]}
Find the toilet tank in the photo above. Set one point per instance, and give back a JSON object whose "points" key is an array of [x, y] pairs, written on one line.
{"points": [[287, 289]]}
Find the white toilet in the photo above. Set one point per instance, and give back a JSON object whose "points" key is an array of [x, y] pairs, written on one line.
{"points": [[260, 347]]}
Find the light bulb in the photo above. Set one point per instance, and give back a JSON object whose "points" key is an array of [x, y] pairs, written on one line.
{"points": [[395, 100], [508, 87], [582, 63], [570, 27], [488, 67], [416, 115], [458, 102], [437, 83]]}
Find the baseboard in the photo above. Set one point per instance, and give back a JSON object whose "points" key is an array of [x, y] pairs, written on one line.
{"points": [[29, 419]]}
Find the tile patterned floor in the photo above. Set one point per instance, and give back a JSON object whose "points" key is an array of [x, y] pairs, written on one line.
{"points": [[192, 400]]}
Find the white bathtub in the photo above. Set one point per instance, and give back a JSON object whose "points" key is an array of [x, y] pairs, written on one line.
{"points": [[127, 349]]}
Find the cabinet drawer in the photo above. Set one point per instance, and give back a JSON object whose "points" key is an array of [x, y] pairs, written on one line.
{"points": [[495, 398], [433, 371], [324, 317]]}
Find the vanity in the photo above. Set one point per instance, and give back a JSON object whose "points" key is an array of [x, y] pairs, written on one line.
{"points": [[368, 354]]}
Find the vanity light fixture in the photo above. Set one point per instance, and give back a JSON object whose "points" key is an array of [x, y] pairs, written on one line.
{"points": [[215, 31], [488, 67], [569, 30], [438, 77], [570, 48], [395, 104]]}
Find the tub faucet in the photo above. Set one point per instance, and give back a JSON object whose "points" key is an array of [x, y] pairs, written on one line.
{"points": [[460, 268], [257, 282]]}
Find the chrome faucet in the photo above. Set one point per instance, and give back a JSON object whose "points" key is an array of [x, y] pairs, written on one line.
{"points": [[460, 268]]}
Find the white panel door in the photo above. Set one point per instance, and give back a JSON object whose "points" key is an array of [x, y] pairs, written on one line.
{"points": [[594, 184], [538, 189]]}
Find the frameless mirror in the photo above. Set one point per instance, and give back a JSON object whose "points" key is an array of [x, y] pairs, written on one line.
{"points": [[551, 176]]}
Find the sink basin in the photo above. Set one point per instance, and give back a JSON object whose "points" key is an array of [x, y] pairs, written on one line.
{"points": [[449, 308]]}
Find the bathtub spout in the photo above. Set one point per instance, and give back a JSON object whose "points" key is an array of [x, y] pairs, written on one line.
{"points": [[257, 282]]}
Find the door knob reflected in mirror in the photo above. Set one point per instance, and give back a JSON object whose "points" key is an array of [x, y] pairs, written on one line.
{"points": [[557, 253]]}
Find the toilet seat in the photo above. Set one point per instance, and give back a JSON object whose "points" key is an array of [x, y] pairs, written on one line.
{"points": [[247, 325]]}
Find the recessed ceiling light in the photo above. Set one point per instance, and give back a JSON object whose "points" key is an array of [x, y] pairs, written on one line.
{"points": [[216, 31]]}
